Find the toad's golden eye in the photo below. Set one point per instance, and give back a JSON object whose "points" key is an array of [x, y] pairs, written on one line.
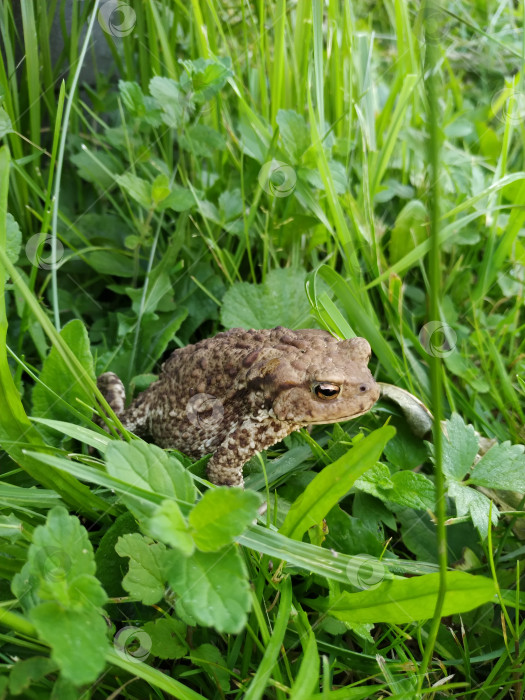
{"points": [[326, 391]]}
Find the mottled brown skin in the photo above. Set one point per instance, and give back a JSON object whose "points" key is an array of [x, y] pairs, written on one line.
{"points": [[244, 390]]}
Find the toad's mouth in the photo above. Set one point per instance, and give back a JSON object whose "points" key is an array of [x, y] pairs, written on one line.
{"points": [[341, 419]]}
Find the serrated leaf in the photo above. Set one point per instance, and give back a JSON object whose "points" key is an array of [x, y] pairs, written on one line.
{"points": [[58, 377], [212, 588], [209, 76], [210, 659], [170, 99], [78, 639], [137, 188], [280, 300], [408, 600], [10, 527], [26, 671], [13, 238], [168, 638], [334, 482], [502, 467], [471, 502], [460, 446], [145, 578], [412, 490], [150, 468], [221, 515], [169, 525]]}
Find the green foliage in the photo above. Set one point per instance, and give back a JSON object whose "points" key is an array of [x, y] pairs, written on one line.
{"points": [[238, 168]]}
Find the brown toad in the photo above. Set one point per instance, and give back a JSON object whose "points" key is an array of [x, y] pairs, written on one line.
{"points": [[244, 390]]}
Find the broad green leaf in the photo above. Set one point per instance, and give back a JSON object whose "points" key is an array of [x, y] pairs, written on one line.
{"points": [[412, 490], [97, 440], [168, 637], [167, 93], [139, 105], [58, 377], [334, 482], [10, 527], [169, 525], [145, 578], [460, 446], [294, 133], [78, 640], [137, 188], [150, 468], [212, 588], [179, 199], [160, 188], [26, 671], [408, 600], [279, 301], [221, 515], [502, 467], [210, 659], [208, 76], [14, 238], [470, 501], [58, 557], [6, 126], [111, 568], [409, 230]]}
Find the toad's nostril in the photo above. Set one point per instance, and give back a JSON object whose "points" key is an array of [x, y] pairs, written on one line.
{"points": [[363, 388]]}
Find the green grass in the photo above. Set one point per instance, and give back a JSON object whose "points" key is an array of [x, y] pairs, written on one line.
{"points": [[397, 207]]}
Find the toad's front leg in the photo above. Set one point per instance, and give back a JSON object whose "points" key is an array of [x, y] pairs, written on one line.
{"points": [[225, 467]]}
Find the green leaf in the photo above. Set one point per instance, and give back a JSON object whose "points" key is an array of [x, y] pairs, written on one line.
{"points": [[221, 515], [179, 199], [78, 640], [408, 600], [210, 659], [280, 300], [29, 670], [170, 526], [471, 502], [212, 588], [460, 446], [111, 568], [412, 490], [59, 557], [10, 527], [58, 377], [409, 230], [160, 188], [145, 578], [168, 638], [502, 467], [208, 76], [202, 140], [137, 188], [13, 238], [6, 126], [294, 133], [150, 468], [170, 100], [139, 105], [334, 482]]}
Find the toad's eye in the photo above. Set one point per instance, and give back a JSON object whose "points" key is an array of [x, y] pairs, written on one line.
{"points": [[326, 391]]}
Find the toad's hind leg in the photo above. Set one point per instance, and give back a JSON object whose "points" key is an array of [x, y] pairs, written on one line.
{"points": [[225, 467], [135, 417]]}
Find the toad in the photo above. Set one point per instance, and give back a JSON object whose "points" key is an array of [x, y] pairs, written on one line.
{"points": [[242, 391]]}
